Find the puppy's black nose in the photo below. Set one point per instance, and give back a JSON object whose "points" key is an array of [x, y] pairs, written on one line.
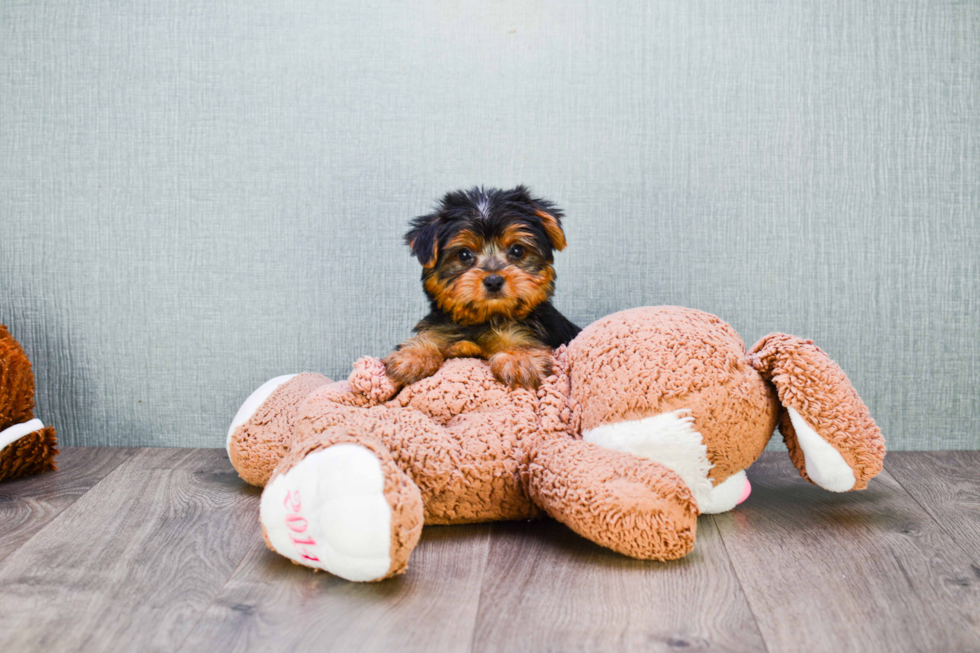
{"points": [[493, 282]]}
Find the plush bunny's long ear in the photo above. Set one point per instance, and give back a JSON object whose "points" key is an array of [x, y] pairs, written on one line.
{"points": [[828, 430], [423, 238]]}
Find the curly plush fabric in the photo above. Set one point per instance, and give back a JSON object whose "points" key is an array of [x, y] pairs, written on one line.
{"points": [[26, 446], [670, 393], [455, 434], [621, 501], [259, 444], [666, 358]]}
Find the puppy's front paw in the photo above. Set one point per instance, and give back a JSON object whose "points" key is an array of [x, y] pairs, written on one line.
{"points": [[410, 364], [524, 367]]}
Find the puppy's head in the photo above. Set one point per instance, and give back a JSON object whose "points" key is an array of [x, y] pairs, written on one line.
{"points": [[488, 253]]}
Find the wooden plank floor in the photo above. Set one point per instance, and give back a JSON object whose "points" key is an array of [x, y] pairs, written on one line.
{"points": [[159, 550]]}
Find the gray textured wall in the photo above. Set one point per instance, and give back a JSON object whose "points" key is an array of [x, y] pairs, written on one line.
{"points": [[198, 195]]}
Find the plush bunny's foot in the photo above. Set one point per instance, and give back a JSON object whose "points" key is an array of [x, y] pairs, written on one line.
{"points": [[343, 507], [726, 495], [329, 512]]}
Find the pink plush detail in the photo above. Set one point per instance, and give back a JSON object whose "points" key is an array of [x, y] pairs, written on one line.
{"points": [[746, 491]]}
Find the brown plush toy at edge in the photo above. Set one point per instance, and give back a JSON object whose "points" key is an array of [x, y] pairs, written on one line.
{"points": [[26, 445], [650, 418]]}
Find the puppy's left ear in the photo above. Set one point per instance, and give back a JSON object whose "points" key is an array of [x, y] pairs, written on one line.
{"points": [[423, 238], [551, 217], [550, 214]]}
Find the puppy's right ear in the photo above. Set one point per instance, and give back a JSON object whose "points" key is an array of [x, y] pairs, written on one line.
{"points": [[423, 238]]}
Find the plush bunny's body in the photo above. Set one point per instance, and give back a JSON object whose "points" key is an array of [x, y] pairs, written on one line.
{"points": [[651, 417]]}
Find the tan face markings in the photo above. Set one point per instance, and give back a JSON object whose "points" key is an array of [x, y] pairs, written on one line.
{"points": [[553, 229], [466, 239], [516, 235], [457, 285]]}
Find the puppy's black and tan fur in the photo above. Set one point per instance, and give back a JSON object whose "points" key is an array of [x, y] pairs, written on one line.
{"points": [[486, 258]]}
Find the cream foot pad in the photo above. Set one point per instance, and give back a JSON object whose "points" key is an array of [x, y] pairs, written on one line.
{"points": [[329, 512]]}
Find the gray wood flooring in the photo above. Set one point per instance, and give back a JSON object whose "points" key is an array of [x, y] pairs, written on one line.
{"points": [[159, 550]]}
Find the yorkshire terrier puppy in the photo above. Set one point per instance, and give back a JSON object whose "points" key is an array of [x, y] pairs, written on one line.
{"points": [[486, 258]]}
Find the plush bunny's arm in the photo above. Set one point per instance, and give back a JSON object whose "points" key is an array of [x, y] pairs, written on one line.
{"points": [[632, 505], [828, 430], [628, 504]]}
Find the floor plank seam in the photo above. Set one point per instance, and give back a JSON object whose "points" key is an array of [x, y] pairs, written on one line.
{"points": [[936, 520], [483, 580], [62, 511], [741, 585], [204, 611]]}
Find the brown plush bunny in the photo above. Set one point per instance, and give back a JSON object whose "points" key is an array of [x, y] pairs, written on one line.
{"points": [[651, 417], [26, 445]]}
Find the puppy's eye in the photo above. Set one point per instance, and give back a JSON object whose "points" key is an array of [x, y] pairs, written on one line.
{"points": [[516, 251], [465, 256]]}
